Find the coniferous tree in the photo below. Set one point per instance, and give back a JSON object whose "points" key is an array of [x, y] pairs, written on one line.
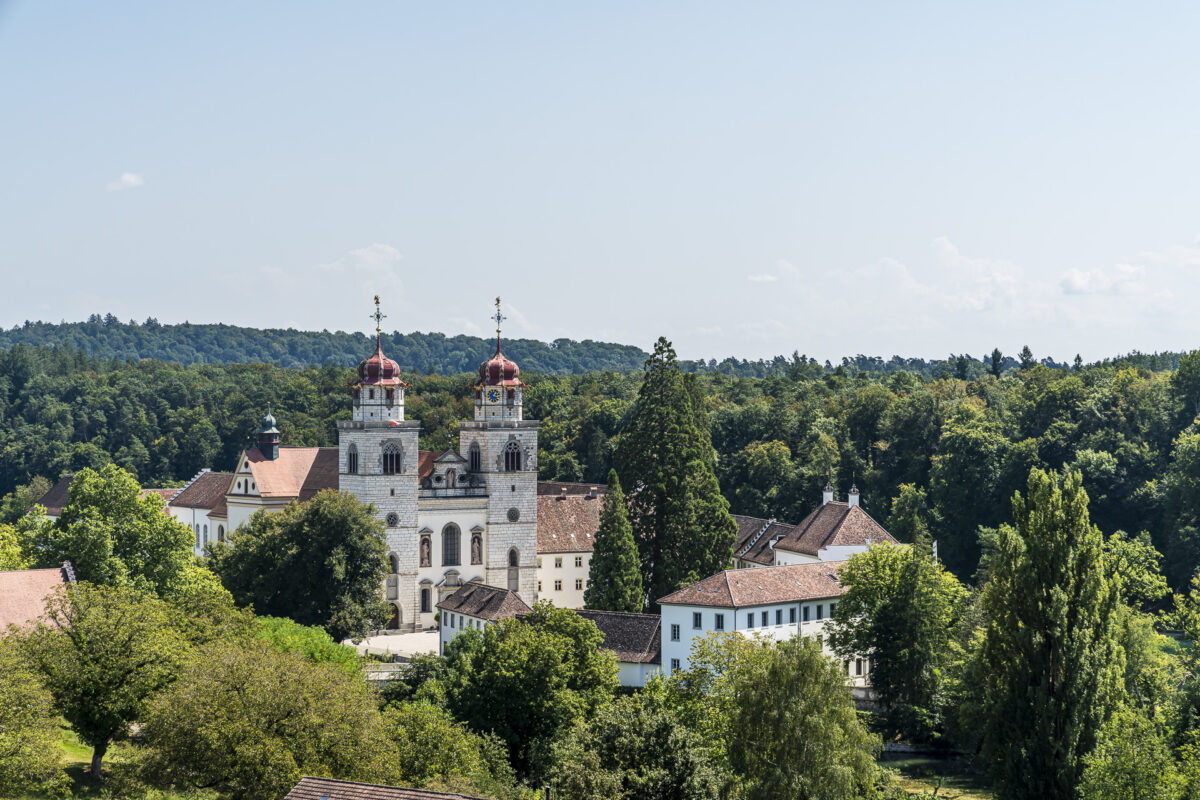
{"points": [[997, 367], [1049, 660], [614, 580], [1027, 359], [680, 520]]}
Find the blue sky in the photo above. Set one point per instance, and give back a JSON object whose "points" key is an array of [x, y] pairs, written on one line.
{"points": [[744, 178]]}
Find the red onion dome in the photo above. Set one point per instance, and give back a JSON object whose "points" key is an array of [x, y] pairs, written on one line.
{"points": [[499, 371], [379, 370]]}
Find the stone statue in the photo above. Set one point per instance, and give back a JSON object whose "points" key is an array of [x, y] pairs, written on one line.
{"points": [[425, 555], [476, 550]]}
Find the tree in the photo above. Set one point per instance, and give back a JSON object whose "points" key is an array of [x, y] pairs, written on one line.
{"points": [[310, 641], [633, 748], [30, 749], [1131, 760], [1050, 663], [13, 548], [899, 609], [1027, 359], [112, 535], [247, 721], [526, 681], [433, 751], [909, 520], [1185, 384], [680, 520], [614, 579], [14, 504], [1078, 363], [795, 733], [321, 562], [997, 365], [102, 651]]}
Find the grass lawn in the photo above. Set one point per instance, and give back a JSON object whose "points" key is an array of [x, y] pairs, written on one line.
{"points": [[77, 758], [930, 776]]}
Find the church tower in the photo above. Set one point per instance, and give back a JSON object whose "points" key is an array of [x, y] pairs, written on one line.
{"points": [[378, 463], [500, 447]]}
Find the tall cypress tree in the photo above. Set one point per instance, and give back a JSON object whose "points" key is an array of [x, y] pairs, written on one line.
{"points": [[615, 577], [680, 520], [1049, 660]]}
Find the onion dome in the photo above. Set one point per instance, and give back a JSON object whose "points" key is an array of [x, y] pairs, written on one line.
{"points": [[268, 423], [379, 370], [499, 371]]}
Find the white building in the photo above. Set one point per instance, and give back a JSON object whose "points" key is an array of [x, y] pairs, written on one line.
{"points": [[834, 531], [201, 506], [475, 606], [568, 518], [776, 603]]}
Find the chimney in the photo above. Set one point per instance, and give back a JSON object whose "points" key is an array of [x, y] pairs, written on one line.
{"points": [[592, 492], [827, 494], [562, 493], [852, 498]]}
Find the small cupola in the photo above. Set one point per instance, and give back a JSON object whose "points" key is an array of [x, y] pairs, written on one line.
{"points": [[852, 497], [827, 494], [268, 436]]}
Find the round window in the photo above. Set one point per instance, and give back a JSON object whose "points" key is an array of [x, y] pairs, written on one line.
{"points": [[393, 520], [514, 514]]}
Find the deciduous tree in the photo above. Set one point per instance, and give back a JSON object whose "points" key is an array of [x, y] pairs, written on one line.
{"points": [[30, 752]]}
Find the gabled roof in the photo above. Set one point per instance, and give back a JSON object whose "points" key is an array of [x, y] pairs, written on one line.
{"points": [[425, 459], [299, 472], [738, 588], [635, 638], [754, 537], [832, 525], [485, 602], [567, 524], [23, 594], [450, 456], [330, 789], [56, 499], [207, 490]]}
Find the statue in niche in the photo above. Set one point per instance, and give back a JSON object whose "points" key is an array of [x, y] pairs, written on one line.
{"points": [[426, 556], [476, 549]]}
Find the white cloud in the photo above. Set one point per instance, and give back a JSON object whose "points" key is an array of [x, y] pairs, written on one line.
{"points": [[1122, 279], [762, 278], [128, 180]]}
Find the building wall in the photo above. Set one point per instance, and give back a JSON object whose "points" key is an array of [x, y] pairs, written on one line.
{"points": [[568, 575], [460, 622], [736, 621], [204, 530], [635, 674]]}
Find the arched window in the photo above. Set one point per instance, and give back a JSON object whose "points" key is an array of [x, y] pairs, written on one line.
{"points": [[206, 534], [474, 458], [514, 558], [425, 605], [450, 537], [220, 533], [352, 460], [449, 479], [514, 574], [391, 458], [393, 564], [512, 457]]}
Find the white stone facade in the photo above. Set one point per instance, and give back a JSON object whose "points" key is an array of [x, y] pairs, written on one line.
{"points": [[563, 577]]}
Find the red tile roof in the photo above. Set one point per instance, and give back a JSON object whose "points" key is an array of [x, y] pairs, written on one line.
{"points": [[833, 525], [425, 459], [299, 472], [754, 538], [207, 490], [56, 499], [737, 588], [556, 488], [635, 638], [485, 602], [23, 594], [567, 524], [330, 789]]}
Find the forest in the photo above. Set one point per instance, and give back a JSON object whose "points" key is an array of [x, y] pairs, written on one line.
{"points": [[953, 449]]}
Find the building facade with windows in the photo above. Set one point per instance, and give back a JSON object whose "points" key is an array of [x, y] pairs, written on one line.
{"points": [[774, 603], [568, 518]]}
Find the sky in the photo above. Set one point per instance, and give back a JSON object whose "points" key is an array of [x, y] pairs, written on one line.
{"points": [[746, 179]]}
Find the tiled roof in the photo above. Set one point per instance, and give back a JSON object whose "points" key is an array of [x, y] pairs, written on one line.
{"points": [[485, 602], [635, 638], [567, 524], [747, 527], [754, 538], [206, 490], [56, 499], [299, 472], [23, 594], [425, 459], [556, 488], [737, 588], [832, 525], [330, 789]]}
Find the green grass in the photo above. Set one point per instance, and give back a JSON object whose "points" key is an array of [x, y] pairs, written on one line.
{"points": [[953, 778], [77, 758]]}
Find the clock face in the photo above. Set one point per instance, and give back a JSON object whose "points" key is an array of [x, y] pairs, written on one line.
{"points": [[493, 396]]}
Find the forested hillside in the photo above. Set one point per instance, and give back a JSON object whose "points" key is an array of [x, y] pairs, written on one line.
{"points": [[435, 353], [961, 447]]}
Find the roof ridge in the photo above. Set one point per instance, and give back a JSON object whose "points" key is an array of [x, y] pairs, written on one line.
{"points": [[757, 536]]}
